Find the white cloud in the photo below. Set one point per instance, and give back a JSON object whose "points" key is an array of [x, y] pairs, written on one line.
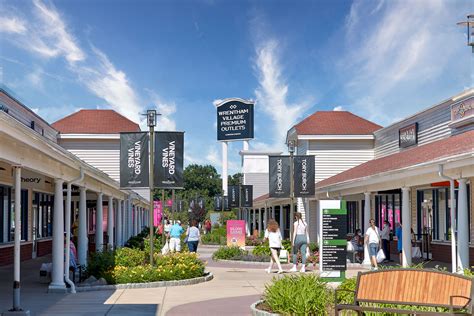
{"points": [[338, 108], [35, 78], [407, 47], [272, 93], [12, 25]]}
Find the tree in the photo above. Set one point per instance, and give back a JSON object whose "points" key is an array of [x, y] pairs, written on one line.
{"points": [[204, 179], [235, 179]]}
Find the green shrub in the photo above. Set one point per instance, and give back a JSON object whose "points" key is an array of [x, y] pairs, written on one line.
{"points": [[128, 257], [347, 297], [262, 250], [227, 253], [298, 295], [100, 263], [217, 236]]}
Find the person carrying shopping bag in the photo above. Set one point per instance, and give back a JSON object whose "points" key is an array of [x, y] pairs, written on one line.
{"points": [[373, 241], [299, 241]]}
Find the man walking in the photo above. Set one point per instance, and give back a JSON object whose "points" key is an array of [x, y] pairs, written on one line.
{"points": [[175, 236], [373, 241]]}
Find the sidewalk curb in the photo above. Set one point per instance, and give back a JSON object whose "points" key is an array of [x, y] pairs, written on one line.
{"points": [[257, 312], [90, 288]]}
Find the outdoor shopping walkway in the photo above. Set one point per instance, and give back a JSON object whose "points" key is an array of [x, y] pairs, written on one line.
{"points": [[234, 287]]}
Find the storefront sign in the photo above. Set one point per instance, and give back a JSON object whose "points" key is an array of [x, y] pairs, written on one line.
{"points": [[304, 176], [134, 160], [169, 157], [334, 238], [463, 113], [408, 136], [234, 120], [246, 195], [233, 195], [236, 233], [279, 176]]}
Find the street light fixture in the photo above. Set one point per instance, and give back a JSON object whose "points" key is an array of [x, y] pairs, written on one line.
{"points": [[469, 23]]}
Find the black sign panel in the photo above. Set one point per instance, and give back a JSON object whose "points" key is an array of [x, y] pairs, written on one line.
{"points": [[134, 161], [246, 195], [279, 176], [169, 157], [235, 120], [334, 239], [225, 200], [304, 176], [218, 203], [233, 195], [408, 135], [180, 205]]}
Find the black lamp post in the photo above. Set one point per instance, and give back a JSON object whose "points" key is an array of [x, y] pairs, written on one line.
{"points": [[291, 149]]}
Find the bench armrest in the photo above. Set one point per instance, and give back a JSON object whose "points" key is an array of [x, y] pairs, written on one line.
{"points": [[451, 300], [344, 290]]}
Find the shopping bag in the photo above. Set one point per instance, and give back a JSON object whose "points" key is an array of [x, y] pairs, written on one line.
{"points": [[350, 247], [283, 256], [380, 256], [165, 249]]}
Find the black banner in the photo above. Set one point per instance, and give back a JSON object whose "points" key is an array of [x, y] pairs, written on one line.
{"points": [[246, 195], [233, 195], [225, 200], [169, 157], [279, 176], [218, 203], [304, 176], [180, 205], [134, 161], [235, 120]]}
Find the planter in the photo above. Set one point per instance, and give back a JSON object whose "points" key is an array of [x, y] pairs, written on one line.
{"points": [[207, 277], [262, 263], [258, 312]]}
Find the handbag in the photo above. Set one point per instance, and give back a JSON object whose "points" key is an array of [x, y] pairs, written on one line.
{"points": [[380, 256], [350, 246], [283, 256]]}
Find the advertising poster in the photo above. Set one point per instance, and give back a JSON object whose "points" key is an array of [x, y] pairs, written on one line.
{"points": [[304, 176], [169, 158], [134, 163], [236, 233], [234, 120], [279, 176], [158, 213]]}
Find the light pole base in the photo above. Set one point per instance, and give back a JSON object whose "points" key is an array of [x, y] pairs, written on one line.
{"points": [[16, 313], [53, 288]]}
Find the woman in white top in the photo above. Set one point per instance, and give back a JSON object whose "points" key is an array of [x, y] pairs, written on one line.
{"points": [[192, 235], [299, 241], [274, 238]]}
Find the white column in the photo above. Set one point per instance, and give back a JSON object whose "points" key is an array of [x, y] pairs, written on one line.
{"points": [[17, 238], [265, 220], [282, 226], [57, 276], [259, 221], [110, 223], [99, 231], [119, 228], [245, 145], [366, 226], [463, 227], [406, 227], [254, 220], [273, 212], [83, 241], [130, 218], [224, 168]]}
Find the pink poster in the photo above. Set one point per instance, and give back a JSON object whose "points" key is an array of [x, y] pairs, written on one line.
{"points": [[236, 233], [169, 203], [158, 213]]}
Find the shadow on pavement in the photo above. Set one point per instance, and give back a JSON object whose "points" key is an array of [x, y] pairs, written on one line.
{"points": [[225, 306]]}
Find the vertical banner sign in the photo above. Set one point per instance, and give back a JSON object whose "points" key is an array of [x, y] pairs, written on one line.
{"points": [[234, 120], [246, 195], [233, 195], [180, 206], [225, 200], [134, 160], [333, 219], [218, 203], [169, 156], [304, 176], [236, 233], [279, 176], [158, 213]]}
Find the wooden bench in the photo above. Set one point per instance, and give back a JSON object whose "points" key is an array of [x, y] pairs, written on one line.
{"points": [[411, 287]]}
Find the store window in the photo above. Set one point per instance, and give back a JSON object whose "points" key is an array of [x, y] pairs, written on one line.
{"points": [[353, 218], [7, 214], [5, 202], [387, 207], [43, 206]]}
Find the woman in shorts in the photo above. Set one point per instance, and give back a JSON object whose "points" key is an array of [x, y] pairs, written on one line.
{"points": [[274, 238]]}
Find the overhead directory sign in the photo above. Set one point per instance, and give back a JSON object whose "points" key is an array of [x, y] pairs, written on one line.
{"points": [[235, 120], [279, 176], [169, 158], [134, 160], [304, 176]]}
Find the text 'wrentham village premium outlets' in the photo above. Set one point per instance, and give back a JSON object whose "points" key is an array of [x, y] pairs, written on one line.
{"points": [[418, 171]]}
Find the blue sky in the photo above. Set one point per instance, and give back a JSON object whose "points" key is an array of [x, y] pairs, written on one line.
{"points": [[382, 60]]}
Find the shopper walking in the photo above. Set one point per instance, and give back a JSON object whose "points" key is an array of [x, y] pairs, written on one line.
{"points": [[399, 234], [272, 233], [373, 241], [299, 241], [385, 235], [192, 236], [175, 236]]}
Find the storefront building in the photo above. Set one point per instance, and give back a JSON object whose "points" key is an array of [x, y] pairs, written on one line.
{"points": [[57, 191], [409, 181]]}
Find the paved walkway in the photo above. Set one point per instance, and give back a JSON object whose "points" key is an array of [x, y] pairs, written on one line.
{"points": [[234, 287]]}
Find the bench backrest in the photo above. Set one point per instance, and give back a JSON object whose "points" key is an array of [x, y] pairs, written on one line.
{"points": [[413, 287]]}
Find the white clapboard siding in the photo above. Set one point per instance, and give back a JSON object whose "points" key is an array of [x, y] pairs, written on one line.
{"points": [[102, 154], [259, 182]]}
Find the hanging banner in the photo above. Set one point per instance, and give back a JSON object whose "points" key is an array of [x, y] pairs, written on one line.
{"points": [[169, 157], [279, 176], [134, 160], [218, 203], [304, 176], [235, 120], [180, 205], [233, 195], [225, 200], [246, 195], [158, 213]]}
